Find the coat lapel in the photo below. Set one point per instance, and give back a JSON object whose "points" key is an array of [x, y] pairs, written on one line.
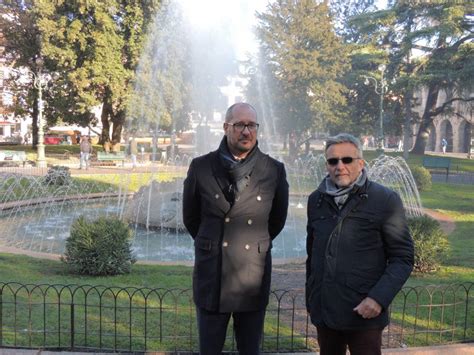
{"points": [[254, 183], [220, 176]]}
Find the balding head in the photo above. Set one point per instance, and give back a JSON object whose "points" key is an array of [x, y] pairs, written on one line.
{"points": [[239, 106], [241, 127]]}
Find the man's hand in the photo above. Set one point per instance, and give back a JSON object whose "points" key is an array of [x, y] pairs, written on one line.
{"points": [[368, 308]]}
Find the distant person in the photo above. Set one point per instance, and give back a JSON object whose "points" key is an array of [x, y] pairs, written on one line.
{"points": [[400, 145], [235, 202], [86, 150], [133, 152], [444, 145], [26, 138], [360, 253], [372, 142], [366, 143]]}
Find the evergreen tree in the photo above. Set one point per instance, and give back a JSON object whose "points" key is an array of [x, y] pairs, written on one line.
{"points": [[306, 58]]}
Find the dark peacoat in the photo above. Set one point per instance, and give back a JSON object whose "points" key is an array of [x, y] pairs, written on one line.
{"points": [[364, 249], [233, 242]]}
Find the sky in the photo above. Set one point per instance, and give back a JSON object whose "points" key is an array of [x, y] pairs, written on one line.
{"points": [[237, 15]]}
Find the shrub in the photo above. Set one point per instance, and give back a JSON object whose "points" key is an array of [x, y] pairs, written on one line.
{"points": [[431, 243], [99, 247], [422, 178], [58, 175]]}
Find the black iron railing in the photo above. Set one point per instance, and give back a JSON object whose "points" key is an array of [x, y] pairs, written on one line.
{"points": [[82, 317]]}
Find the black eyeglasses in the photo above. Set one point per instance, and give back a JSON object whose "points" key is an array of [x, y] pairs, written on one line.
{"points": [[345, 160], [240, 126]]}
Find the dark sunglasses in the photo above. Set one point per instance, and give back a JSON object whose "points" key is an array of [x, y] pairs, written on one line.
{"points": [[345, 160]]}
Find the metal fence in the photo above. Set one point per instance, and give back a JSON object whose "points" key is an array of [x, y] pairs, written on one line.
{"points": [[84, 317]]}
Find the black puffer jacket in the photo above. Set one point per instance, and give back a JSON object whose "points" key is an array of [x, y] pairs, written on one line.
{"points": [[370, 253]]}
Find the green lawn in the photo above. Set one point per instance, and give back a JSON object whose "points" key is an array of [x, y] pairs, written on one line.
{"points": [[24, 269], [132, 181], [445, 320]]}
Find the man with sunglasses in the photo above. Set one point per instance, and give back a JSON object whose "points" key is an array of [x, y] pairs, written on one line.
{"points": [[235, 203], [360, 253]]}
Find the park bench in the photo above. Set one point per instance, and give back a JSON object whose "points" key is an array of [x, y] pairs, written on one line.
{"points": [[111, 157], [431, 162], [12, 157]]}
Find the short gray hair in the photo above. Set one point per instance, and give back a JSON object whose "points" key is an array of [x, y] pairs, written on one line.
{"points": [[229, 113], [344, 138]]}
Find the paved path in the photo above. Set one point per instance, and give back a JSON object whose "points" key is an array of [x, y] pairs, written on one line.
{"points": [[455, 349]]}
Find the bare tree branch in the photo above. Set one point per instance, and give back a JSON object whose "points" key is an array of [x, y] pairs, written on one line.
{"points": [[443, 107]]}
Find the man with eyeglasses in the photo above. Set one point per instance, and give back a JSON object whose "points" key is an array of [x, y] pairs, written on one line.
{"points": [[235, 203], [360, 253]]}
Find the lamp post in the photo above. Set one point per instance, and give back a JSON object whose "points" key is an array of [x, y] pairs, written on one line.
{"points": [[380, 89], [40, 80]]}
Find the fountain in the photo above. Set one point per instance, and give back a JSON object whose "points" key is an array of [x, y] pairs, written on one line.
{"points": [[36, 214]]}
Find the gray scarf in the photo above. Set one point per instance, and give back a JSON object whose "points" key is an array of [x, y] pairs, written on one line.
{"points": [[340, 194]]}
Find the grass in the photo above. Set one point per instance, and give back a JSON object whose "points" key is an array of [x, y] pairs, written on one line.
{"points": [[109, 312], [25, 188], [14, 189], [456, 201], [27, 270], [133, 181], [445, 320]]}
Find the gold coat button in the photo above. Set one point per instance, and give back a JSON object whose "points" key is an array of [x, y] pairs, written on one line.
{"points": [[225, 244], [216, 196], [259, 198], [227, 219], [249, 222], [247, 247]]}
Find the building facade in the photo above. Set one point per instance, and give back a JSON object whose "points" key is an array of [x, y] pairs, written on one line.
{"points": [[455, 125]]}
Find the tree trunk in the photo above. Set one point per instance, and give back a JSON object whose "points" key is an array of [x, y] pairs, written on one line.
{"points": [[118, 120], [426, 120], [104, 118], [407, 128]]}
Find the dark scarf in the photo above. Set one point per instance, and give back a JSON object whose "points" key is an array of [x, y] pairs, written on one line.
{"points": [[239, 171]]}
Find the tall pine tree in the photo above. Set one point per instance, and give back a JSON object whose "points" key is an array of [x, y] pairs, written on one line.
{"points": [[305, 57]]}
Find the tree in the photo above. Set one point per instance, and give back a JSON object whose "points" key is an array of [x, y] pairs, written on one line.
{"points": [[430, 48], [95, 45], [343, 10], [18, 23], [303, 54]]}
